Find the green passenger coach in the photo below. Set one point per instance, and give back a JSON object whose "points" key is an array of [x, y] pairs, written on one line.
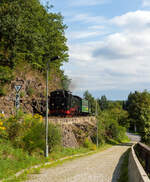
{"points": [[85, 106]]}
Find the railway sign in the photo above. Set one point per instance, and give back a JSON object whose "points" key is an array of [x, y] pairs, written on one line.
{"points": [[18, 88], [17, 101]]}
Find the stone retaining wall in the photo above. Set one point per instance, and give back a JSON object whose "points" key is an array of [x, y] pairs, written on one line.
{"points": [[91, 120], [75, 130]]}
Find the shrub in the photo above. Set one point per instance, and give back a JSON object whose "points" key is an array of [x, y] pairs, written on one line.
{"points": [[34, 138], [28, 132], [101, 133], [3, 91], [22, 94], [30, 91], [54, 136], [88, 144], [6, 74], [14, 130]]}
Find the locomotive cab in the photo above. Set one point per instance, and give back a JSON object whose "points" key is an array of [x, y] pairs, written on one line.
{"points": [[59, 102]]}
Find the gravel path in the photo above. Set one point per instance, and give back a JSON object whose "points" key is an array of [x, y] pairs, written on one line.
{"points": [[99, 167]]}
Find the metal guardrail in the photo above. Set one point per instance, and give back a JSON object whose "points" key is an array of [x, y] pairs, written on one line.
{"points": [[143, 153]]}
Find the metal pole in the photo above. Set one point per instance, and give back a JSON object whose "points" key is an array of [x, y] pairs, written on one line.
{"points": [[46, 119], [96, 125]]}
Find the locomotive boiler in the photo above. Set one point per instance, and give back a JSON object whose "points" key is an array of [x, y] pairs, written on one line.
{"points": [[63, 103]]}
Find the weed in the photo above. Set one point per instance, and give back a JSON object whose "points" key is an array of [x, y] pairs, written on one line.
{"points": [[124, 168]]}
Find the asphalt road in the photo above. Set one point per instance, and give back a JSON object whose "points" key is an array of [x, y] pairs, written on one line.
{"points": [[134, 137]]}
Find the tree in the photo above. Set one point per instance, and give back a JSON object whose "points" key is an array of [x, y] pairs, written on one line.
{"points": [[92, 101], [29, 33], [103, 103], [138, 107]]}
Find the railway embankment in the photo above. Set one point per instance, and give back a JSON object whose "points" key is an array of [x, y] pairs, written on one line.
{"points": [[75, 130]]}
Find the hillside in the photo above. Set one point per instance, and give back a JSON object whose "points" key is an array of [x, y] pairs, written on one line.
{"points": [[32, 93]]}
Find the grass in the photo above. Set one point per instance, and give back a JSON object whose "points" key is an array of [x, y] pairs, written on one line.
{"points": [[13, 160], [53, 157], [124, 168]]}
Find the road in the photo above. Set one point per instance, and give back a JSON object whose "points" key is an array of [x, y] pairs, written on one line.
{"points": [[100, 167], [134, 137]]}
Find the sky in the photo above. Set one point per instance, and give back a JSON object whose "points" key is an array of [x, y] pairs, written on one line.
{"points": [[109, 46]]}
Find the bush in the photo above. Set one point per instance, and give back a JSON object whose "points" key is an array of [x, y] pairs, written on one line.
{"points": [[88, 144], [54, 136], [34, 138], [3, 133], [30, 91], [28, 132], [6, 74], [3, 91]]}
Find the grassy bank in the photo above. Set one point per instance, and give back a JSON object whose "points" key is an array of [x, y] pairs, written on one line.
{"points": [[124, 168], [22, 141], [13, 160]]}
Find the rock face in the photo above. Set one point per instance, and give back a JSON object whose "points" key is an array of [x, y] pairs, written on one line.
{"points": [[75, 130], [32, 93]]}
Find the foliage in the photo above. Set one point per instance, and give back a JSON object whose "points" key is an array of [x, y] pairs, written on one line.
{"points": [[92, 101], [30, 33], [24, 130], [36, 132], [12, 160], [5, 75], [3, 133], [108, 128], [54, 136], [88, 144], [138, 107], [103, 103], [30, 91], [124, 167]]}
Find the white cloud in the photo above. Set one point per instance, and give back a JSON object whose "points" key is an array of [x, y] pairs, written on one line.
{"points": [[120, 61], [86, 18], [83, 34], [133, 20], [146, 3], [87, 2]]}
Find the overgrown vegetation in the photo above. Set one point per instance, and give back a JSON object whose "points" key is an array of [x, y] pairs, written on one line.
{"points": [[22, 141], [111, 120], [138, 107], [30, 34], [124, 167]]}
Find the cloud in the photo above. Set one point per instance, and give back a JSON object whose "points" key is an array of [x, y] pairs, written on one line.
{"points": [[83, 34], [87, 2], [118, 61], [86, 18], [146, 3], [133, 20]]}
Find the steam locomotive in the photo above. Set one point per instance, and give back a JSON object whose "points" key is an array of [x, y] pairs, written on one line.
{"points": [[63, 103]]}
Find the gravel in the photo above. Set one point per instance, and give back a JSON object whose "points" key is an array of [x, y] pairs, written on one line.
{"points": [[100, 167]]}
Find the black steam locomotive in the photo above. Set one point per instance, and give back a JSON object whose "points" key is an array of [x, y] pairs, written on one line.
{"points": [[63, 103]]}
